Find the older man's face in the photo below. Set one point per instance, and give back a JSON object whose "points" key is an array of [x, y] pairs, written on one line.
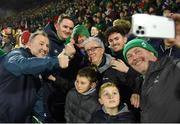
{"points": [[39, 46], [94, 52], [138, 58]]}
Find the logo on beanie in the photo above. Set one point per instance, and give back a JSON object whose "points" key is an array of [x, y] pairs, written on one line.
{"points": [[144, 44]]}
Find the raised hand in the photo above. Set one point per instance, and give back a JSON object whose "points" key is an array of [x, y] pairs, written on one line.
{"points": [[135, 100], [63, 60], [69, 50], [119, 65]]}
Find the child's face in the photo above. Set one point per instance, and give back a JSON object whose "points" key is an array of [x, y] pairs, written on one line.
{"points": [[110, 97], [83, 84]]}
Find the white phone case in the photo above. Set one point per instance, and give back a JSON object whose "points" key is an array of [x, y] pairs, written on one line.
{"points": [[144, 25]]}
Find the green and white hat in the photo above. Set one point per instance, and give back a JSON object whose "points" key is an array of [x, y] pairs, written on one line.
{"points": [[138, 43]]}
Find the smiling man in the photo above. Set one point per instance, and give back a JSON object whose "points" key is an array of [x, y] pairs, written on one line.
{"points": [[58, 32], [116, 37], [19, 77], [160, 93]]}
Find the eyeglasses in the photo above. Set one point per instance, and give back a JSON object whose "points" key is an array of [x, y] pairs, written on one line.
{"points": [[93, 49]]}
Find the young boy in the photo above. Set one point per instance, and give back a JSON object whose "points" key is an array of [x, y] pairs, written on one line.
{"points": [[113, 111], [82, 100]]}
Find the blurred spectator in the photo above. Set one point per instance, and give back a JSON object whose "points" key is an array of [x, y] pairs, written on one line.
{"points": [[25, 37], [22, 39], [167, 48], [125, 24], [80, 33], [176, 17], [8, 41], [94, 31], [97, 32]]}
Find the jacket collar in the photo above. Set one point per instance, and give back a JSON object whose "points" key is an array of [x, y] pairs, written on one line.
{"points": [[52, 33], [122, 108], [106, 63], [158, 65]]}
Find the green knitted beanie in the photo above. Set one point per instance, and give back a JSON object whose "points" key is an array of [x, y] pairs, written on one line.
{"points": [[138, 43], [80, 30]]}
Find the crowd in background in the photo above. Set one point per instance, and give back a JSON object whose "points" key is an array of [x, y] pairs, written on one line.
{"points": [[99, 13], [83, 11], [109, 24]]}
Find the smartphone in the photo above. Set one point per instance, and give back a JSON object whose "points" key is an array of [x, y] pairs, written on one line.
{"points": [[152, 26]]}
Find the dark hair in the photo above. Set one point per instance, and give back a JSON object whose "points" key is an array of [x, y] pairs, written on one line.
{"points": [[64, 16], [89, 72], [116, 29]]}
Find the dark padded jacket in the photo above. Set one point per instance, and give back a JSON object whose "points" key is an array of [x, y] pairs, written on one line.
{"points": [[19, 82], [160, 95], [79, 107]]}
